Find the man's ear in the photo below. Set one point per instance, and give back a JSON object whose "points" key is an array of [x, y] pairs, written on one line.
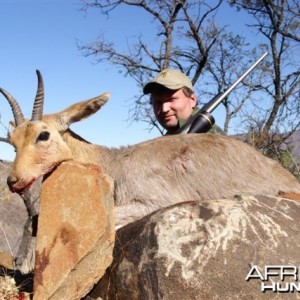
{"points": [[194, 100]]}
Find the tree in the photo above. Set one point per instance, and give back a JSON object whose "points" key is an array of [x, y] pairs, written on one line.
{"points": [[278, 22], [279, 25], [188, 39]]}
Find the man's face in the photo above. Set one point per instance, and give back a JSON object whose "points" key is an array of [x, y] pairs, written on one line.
{"points": [[171, 105]]}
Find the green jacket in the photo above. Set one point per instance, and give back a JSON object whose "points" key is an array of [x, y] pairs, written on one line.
{"points": [[214, 130]]}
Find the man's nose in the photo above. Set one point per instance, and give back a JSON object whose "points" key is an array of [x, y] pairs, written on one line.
{"points": [[165, 106]]}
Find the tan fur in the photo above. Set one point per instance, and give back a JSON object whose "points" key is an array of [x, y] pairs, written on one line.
{"points": [[152, 174]]}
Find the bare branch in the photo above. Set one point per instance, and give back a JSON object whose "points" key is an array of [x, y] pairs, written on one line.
{"points": [[5, 140]]}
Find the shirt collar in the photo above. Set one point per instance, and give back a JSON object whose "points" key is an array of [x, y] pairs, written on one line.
{"points": [[181, 122]]}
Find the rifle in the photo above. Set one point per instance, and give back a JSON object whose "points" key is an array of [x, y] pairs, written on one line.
{"points": [[203, 121]]}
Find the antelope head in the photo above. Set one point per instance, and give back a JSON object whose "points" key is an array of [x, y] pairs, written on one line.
{"points": [[39, 142]]}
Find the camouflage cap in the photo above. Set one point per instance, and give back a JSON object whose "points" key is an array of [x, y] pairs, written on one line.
{"points": [[169, 78]]}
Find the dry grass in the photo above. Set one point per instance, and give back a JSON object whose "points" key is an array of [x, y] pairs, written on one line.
{"points": [[8, 289]]}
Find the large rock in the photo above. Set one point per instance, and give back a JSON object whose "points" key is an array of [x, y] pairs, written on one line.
{"points": [[17, 239], [204, 250], [76, 232], [13, 214]]}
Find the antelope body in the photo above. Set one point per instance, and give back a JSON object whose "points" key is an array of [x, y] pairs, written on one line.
{"points": [[149, 175]]}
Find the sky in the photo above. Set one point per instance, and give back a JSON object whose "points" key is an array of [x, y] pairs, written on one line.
{"points": [[44, 35]]}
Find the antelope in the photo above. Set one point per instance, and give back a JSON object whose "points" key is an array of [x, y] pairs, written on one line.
{"points": [[147, 176]]}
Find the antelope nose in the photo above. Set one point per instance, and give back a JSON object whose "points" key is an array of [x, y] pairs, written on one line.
{"points": [[11, 180]]}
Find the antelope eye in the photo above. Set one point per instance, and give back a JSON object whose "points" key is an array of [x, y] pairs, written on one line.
{"points": [[44, 136]]}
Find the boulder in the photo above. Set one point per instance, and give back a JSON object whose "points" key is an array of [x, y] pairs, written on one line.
{"points": [[76, 232], [17, 237], [13, 215], [204, 250]]}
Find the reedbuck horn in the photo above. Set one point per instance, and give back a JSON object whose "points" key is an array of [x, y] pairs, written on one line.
{"points": [[37, 111], [16, 110]]}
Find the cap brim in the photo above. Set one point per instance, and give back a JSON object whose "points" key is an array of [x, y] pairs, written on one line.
{"points": [[148, 88]]}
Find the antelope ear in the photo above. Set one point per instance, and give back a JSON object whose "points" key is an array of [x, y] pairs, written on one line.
{"points": [[81, 110]]}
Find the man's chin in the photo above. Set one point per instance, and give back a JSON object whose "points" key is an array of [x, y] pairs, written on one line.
{"points": [[169, 124], [172, 125]]}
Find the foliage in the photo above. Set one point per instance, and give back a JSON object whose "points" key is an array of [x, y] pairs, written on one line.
{"points": [[276, 147]]}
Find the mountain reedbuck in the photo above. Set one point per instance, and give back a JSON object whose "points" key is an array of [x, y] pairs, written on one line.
{"points": [[149, 175]]}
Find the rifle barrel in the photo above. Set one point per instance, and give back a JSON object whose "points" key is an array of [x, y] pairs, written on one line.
{"points": [[223, 95]]}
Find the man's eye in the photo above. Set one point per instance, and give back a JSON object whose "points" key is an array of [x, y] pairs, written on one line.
{"points": [[44, 136]]}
